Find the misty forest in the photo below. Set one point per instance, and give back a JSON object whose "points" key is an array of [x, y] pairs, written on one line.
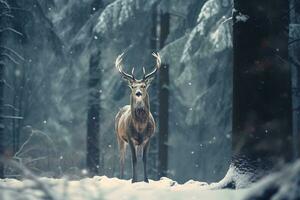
{"points": [[216, 83]]}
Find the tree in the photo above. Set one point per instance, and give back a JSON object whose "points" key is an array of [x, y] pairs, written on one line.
{"points": [[2, 126], [6, 54], [163, 99], [262, 117], [18, 23], [153, 151], [93, 118], [294, 59]]}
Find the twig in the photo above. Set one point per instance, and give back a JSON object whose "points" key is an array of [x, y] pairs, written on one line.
{"points": [[13, 52], [6, 15], [293, 41], [226, 20], [23, 145], [26, 151], [5, 83], [11, 106], [36, 159], [10, 117], [5, 3], [39, 184], [10, 29], [9, 58]]}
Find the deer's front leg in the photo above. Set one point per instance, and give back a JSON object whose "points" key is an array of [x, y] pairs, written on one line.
{"points": [[122, 147], [134, 161], [145, 152]]}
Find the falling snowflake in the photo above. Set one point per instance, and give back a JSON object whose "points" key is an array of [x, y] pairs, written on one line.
{"points": [[84, 171]]}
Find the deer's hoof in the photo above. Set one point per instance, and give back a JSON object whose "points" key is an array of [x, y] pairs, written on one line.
{"points": [[133, 181], [146, 180]]}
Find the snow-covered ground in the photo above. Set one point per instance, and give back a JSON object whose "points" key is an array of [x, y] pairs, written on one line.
{"points": [[284, 184], [102, 187]]}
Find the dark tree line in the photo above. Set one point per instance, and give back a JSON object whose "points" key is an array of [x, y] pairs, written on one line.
{"points": [[262, 104]]}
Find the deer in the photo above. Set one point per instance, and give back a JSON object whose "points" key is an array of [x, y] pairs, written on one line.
{"points": [[134, 123]]}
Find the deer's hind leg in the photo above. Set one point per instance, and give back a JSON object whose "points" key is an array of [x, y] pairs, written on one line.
{"points": [[122, 149]]}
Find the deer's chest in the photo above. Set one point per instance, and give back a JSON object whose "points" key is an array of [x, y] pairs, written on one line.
{"points": [[139, 134]]}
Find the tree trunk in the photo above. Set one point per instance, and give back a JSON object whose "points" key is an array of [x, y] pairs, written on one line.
{"points": [[2, 126], [153, 150], [294, 48], [2, 86], [163, 100], [262, 111], [93, 119]]}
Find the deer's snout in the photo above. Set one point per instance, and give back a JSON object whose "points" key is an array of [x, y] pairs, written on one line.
{"points": [[138, 93]]}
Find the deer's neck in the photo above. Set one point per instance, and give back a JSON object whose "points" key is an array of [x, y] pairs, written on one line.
{"points": [[140, 113]]}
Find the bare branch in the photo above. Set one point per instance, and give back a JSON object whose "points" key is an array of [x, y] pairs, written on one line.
{"points": [[9, 58], [23, 145], [226, 20], [5, 4], [13, 52], [39, 184], [36, 159], [11, 30], [293, 41], [6, 15], [7, 84], [11, 106], [10, 117]]}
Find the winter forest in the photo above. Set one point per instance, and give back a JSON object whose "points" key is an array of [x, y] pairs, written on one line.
{"points": [[225, 99]]}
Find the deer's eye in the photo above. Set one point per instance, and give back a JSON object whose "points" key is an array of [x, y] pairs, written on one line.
{"points": [[143, 86]]}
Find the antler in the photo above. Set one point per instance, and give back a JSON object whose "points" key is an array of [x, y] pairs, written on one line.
{"points": [[118, 65], [158, 63]]}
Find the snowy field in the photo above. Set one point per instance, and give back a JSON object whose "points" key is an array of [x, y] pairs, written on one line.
{"points": [[284, 184], [114, 189]]}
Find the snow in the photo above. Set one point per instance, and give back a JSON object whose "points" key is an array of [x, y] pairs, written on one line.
{"points": [[102, 187], [241, 17], [280, 185], [119, 12]]}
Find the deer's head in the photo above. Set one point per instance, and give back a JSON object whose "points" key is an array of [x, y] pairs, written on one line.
{"points": [[139, 94]]}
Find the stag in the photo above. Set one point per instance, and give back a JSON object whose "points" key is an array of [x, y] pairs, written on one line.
{"points": [[134, 123]]}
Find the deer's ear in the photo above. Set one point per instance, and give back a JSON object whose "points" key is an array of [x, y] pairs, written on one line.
{"points": [[148, 82], [130, 83]]}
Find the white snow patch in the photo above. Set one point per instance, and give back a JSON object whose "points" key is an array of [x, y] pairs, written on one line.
{"points": [[241, 17], [102, 187], [280, 185], [118, 12]]}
